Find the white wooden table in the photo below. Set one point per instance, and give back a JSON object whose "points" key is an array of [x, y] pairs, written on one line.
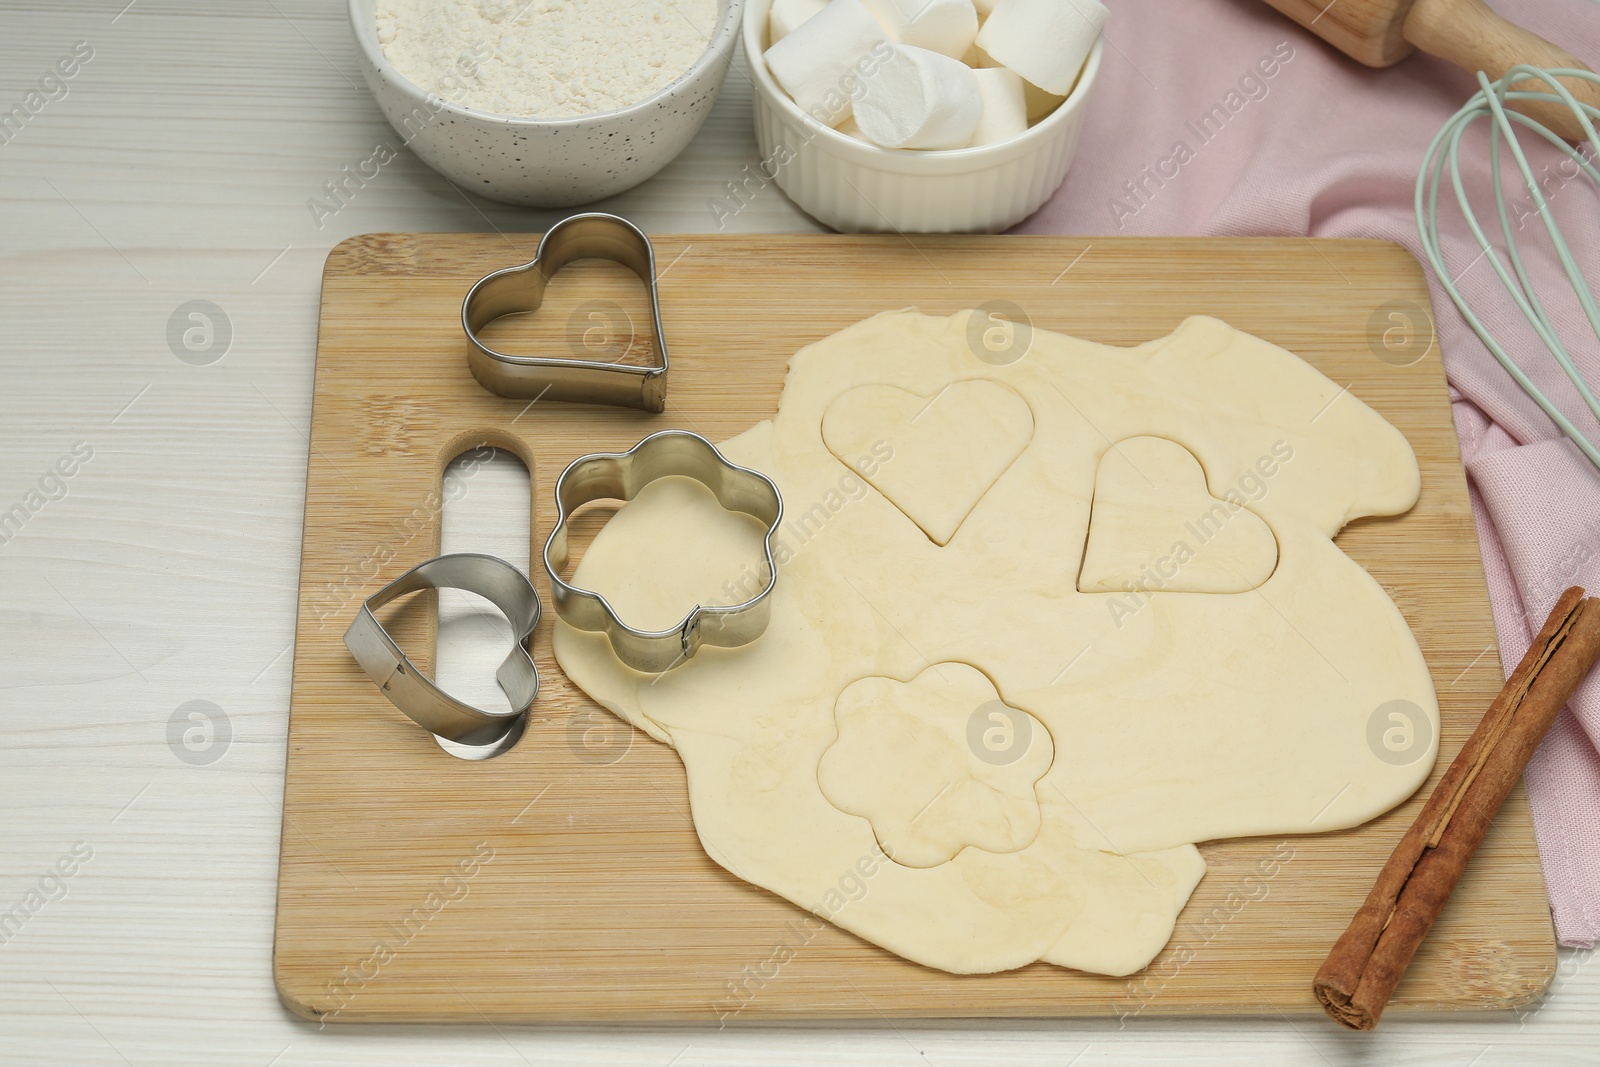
{"points": [[177, 167]]}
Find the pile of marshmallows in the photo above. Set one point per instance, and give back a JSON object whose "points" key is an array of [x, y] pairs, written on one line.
{"points": [[931, 74]]}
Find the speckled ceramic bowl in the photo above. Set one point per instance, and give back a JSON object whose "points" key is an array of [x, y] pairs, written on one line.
{"points": [[547, 162]]}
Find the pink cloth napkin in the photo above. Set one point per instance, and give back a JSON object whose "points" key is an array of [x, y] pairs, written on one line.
{"points": [[1326, 147]]}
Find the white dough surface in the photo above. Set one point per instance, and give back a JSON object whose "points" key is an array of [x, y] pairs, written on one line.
{"points": [[1037, 760]]}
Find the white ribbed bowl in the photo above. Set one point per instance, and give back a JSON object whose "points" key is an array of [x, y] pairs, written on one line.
{"points": [[857, 187], [547, 162]]}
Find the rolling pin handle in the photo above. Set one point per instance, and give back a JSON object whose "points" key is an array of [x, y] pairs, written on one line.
{"points": [[1469, 34]]}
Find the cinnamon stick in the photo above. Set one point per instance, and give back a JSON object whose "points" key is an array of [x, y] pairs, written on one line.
{"points": [[1366, 963]]}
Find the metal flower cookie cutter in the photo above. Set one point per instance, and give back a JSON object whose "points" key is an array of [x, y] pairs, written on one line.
{"points": [[461, 729], [620, 476], [521, 289]]}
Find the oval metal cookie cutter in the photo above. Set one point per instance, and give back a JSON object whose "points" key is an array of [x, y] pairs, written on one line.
{"points": [[620, 476], [519, 289], [461, 729]]}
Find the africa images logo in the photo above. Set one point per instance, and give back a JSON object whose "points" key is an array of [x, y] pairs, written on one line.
{"points": [[52, 486]]}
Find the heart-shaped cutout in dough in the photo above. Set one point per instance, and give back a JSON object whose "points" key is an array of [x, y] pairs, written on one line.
{"points": [[946, 451], [1155, 527]]}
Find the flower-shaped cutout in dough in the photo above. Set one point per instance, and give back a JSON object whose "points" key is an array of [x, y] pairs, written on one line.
{"points": [[965, 768]]}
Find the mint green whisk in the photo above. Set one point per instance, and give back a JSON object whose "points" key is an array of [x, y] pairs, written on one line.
{"points": [[1444, 154]]}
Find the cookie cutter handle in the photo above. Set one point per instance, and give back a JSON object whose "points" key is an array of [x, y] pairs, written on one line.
{"points": [[483, 733], [521, 289]]}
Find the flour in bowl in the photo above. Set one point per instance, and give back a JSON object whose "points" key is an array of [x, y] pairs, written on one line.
{"points": [[545, 58]]}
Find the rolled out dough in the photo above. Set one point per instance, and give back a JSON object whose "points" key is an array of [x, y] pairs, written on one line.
{"points": [[1154, 525], [940, 684]]}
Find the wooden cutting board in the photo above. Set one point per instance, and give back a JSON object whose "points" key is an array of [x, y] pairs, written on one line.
{"points": [[564, 881]]}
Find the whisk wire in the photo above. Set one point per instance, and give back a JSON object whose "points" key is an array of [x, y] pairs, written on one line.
{"points": [[1444, 155]]}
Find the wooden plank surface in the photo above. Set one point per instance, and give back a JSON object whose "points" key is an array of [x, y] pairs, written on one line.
{"points": [[560, 883]]}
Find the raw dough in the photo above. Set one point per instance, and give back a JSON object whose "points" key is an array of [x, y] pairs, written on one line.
{"points": [[1155, 526], [964, 770], [910, 587], [951, 447]]}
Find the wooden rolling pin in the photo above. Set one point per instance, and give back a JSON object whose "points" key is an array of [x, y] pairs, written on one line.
{"points": [[1380, 33]]}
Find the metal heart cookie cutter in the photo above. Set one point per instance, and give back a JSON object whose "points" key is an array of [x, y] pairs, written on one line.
{"points": [[461, 729], [620, 476], [521, 289]]}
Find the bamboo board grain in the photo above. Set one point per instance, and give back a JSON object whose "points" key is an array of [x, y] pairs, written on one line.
{"points": [[585, 893]]}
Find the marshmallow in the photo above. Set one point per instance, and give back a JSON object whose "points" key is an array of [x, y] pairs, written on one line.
{"points": [[1045, 41], [821, 62], [946, 26], [919, 99], [787, 15], [1005, 109]]}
